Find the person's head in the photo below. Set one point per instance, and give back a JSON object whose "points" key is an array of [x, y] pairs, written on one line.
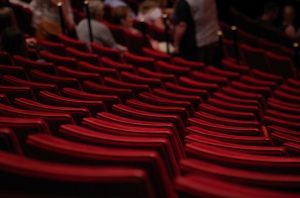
{"points": [[122, 16], [148, 5], [271, 10], [96, 9], [289, 14], [13, 41]]}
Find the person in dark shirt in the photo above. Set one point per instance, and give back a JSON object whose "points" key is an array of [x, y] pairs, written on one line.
{"points": [[270, 13], [196, 27], [13, 41]]}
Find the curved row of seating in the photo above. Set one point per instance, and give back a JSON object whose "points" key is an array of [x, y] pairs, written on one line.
{"points": [[140, 123]]}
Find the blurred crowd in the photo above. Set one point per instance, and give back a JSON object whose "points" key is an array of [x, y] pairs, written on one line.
{"points": [[284, 19], [193, 24]]}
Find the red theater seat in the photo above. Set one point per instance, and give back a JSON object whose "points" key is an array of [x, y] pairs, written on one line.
{"points": [[254, 57], [194, 186], [70, 42], [79, 75], [162, 76], [168, 153], [227, 113], [54, 119], [13, 71], [58, 180], [266, 76], [186, 90], [52, 99], [168, 68], [139, 61], [234, 130], [77, 113], [232, 66], [59, 150], [231, 138], [135, 87], [59, 81], [205, 116], [9, 141], [53, 47], [138, 104], [235, 159], [109, 63], [253, 178], [193, 65], [35, 86], [156, 54], [29, 65], [251, 149], [134, 78], [92, 87], [210, 87], [102, 71], [162, 101], [124, 110], [77, 94], [102, 51], [83, 56], [222, 73], [281, 65]]}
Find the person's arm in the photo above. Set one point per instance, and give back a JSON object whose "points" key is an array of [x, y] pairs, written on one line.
{"points": [[68, 15], [180, 29]]}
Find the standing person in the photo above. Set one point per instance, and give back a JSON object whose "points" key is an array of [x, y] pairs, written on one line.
{"points": [[101, 34], [288, 23], [196, 27], [49, 25]]}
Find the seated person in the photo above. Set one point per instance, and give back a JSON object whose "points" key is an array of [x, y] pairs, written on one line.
{"points": [[114, 3], [151, 12], [12, 39], [124, 17], [15, 43], [101, 34], [48, 18], [7, 18], [270, 14]]}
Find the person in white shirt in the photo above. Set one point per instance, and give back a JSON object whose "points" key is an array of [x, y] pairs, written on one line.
{"points": [[196, 27]]}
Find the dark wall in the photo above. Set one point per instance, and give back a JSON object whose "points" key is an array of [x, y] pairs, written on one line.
{"points": [[252, 8]]}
